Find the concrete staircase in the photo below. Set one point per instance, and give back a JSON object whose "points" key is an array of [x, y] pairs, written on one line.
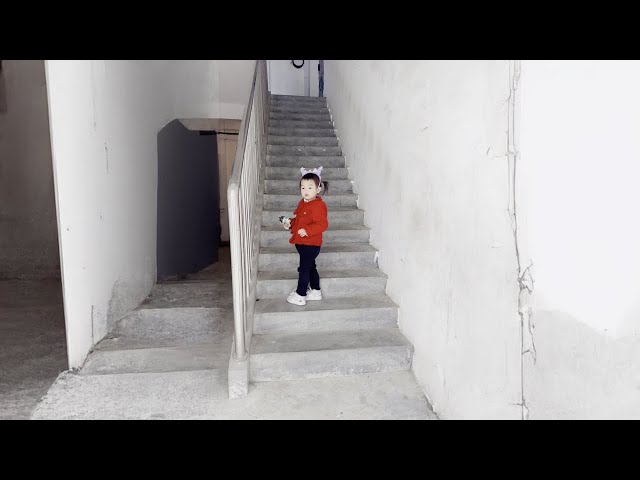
{"points": [[187, 325], [353, 330], [182, 326]]}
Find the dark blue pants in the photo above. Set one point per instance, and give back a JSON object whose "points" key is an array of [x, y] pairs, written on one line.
{"points": [[307, 272]]}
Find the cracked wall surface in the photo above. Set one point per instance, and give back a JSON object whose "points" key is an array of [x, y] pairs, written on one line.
{"points": [[578, 166], [425, 145]]}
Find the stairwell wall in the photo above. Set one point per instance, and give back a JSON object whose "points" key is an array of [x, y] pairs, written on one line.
{"points": [[426, 144], [578, 174], [104, 120]]}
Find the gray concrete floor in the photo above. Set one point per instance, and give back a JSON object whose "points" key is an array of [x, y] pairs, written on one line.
{"points": [[202, 394], [33, 347]]}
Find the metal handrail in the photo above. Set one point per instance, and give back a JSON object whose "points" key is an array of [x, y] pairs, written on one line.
{"points": [[244, 198]]}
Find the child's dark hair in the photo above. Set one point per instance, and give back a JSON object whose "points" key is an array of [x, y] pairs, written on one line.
{"points": [[316, 179]]}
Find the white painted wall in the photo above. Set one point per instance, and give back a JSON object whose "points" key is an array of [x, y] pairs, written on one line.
{"points": [[105, 116], [285, 79], [314, 86], [578, 177], [104, 121], [28, 231], [425, 142], [210, 88]]}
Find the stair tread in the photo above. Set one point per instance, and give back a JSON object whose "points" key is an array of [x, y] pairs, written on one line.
{"points": [[167, 327], [298, 138], [276, 156], [202, 293], [299, 107], [321, 341], [339, 227], [275, 106], [301, 145], [156, 359], [333, 209], [300, 131], [287, 181], [279, 305], [344, 248], [297, 195], [298, 123], [326, 273], [277, 96], [123, 344], [310, 115], [294, 170]]}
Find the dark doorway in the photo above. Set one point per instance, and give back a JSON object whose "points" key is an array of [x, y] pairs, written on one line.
{"points": [[188, 201]]}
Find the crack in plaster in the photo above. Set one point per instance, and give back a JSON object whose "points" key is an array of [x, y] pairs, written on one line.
{"points": [[525, 278]]}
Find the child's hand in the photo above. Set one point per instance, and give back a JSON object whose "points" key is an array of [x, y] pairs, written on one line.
{"points": [[302, 232]]}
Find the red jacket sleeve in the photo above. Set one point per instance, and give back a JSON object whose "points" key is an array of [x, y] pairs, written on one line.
{"points": [[294, 219]]}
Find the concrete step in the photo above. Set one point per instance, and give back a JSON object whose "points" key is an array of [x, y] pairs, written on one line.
{"points": [[278, 99], [332, 151], [154, 360], [306, 141], [305, 124], [334, 283], [298, 108], [280, 202], [277, 236], [302, 132], [291, 186], [168, 327], [285, 202], [316, 117], [355, 255], [289, 173], [297, 161], [327, 354], [189, 294], [337, 216], [275, 315]]}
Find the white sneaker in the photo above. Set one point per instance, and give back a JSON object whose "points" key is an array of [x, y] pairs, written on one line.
{"points": [[314, 294], [296, 299]]}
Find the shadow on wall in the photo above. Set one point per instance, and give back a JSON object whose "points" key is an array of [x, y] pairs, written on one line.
{"points": [[188, 215]]}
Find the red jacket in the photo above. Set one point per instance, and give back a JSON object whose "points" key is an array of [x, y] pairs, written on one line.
{"points": [[312, 216]]}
